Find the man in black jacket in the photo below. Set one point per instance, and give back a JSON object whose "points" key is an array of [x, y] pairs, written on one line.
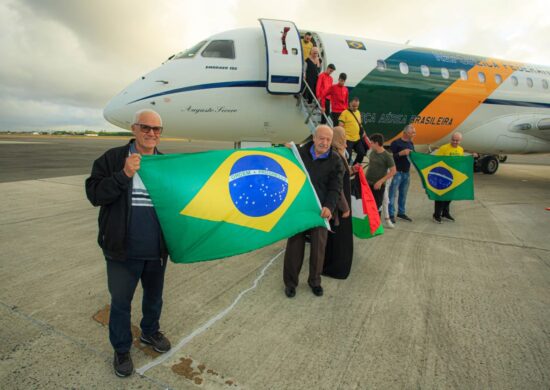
{"points": [[326, 171], [131, 239]]}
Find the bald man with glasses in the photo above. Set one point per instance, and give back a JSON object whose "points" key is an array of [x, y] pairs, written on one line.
{"points": [[453, 148], [131, 239]]}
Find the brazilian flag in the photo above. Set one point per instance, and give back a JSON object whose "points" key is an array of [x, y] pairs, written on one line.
{"points": [[221, 203], [445, 177]]}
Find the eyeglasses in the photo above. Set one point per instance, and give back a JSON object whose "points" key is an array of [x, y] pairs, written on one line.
{"points": [[146, 128]]}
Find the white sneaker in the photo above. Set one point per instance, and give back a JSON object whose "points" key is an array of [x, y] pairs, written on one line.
{"points": [[389, 224]]}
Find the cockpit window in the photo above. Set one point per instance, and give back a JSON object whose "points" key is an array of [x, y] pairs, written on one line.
{"points": [[222, 48], [190, 53]]}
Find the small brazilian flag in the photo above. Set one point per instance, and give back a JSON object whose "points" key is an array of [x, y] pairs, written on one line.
{"points": [[356, 45], [445, 177], [221, 203]]}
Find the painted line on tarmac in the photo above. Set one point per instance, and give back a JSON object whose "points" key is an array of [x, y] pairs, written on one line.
{"points": [[162, 358], [22, 142]]}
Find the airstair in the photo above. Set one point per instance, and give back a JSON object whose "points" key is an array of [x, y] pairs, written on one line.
{"points": [[312, 113], [285, 68]]}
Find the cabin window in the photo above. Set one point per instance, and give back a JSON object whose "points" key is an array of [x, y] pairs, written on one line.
{"points": [[481, 77], [190, 53], [381, 65], [424, 70], [222, 48], [529, 82], [445, 73], [404, 68], [514, 81], [498, 79], [463, 75], [545, 84]]}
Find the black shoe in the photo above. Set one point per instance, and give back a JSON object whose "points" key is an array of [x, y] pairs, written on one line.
{"points": [[123, 364], [157, 341], [448, 216], [317, 290], [290, 292], [437, 219], [405, 217], [392, 219]]}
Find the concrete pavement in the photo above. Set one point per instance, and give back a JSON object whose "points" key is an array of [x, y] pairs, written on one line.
{"points": [[457, 305]]}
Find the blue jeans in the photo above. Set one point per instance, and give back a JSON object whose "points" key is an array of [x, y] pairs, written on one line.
{"points": [[400, 182], [122, 279]]}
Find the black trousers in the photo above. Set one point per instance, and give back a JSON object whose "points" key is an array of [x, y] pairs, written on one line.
{"points": [[122, 279], [294, 257], [359, 149], [441, 207], [378, 195], [327, 112], [334, 116]]}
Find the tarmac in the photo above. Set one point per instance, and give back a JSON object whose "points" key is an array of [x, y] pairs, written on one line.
{"points": [[462, 305]]}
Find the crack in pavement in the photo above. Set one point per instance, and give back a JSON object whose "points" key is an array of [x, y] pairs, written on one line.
{"points": [[52, 329]]}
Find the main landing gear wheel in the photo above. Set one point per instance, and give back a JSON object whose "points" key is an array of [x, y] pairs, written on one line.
{"points": [[502, 158], [489, 165]]}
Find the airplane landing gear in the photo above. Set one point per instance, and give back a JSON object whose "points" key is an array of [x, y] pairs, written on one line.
{"points": [[486, 164]]}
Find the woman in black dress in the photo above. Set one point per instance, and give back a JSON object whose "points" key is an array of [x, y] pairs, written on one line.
{"points": [[339, 250], [313, 68]]}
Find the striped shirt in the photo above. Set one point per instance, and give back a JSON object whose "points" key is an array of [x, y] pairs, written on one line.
{"points": [[144, 233], [140, 196]]}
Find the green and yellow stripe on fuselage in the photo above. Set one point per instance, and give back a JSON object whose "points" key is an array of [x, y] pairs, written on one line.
{"points": [[436, 105]]}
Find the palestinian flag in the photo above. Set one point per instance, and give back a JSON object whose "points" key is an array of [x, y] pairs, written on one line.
{"points": [[365, 218]]}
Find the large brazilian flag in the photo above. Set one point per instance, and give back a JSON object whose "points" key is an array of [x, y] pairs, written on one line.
{"points": [[221, 203], [445, 177]]}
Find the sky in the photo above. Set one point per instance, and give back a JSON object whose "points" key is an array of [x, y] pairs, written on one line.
{"points": [[62, 60]]}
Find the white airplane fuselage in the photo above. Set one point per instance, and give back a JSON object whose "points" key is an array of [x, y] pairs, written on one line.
{"points": [[501, 107]]}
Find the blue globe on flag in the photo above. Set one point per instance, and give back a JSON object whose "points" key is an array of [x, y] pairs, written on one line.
{"points": [[440, 178], [258, 185]]}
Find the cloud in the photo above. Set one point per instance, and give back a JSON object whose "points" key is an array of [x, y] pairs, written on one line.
{"points": [[41, 115], [52, 60], [79, 54]]}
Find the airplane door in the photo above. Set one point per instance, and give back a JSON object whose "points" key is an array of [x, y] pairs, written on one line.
{"points": [[284, 56]]}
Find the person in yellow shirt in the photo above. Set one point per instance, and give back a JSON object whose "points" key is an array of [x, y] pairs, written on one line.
{"points": [[307, 45], [350, 120], [451, 149]]}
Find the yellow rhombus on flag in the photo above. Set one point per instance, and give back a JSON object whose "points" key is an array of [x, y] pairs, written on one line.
{"points": [[433, 176], [215, 203], [445, 177]]}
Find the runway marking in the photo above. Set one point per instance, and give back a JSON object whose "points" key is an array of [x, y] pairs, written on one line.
{"points": [[207, 324], [23, 142]]}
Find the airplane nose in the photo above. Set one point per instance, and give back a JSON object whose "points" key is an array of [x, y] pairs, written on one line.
{"points": [[108, 113], [117, 112]]}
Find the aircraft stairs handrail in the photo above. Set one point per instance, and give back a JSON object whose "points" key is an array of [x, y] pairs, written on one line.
{"points": [[311, 111]]}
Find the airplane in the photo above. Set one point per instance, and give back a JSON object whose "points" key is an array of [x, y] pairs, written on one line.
{"points": [[244, 86]]}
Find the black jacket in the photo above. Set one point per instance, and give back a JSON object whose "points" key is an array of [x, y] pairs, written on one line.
{"points": [[109, 187], [326, 175]]}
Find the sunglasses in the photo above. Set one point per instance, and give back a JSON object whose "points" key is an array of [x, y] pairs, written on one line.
{"points": [[146, 128]]}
